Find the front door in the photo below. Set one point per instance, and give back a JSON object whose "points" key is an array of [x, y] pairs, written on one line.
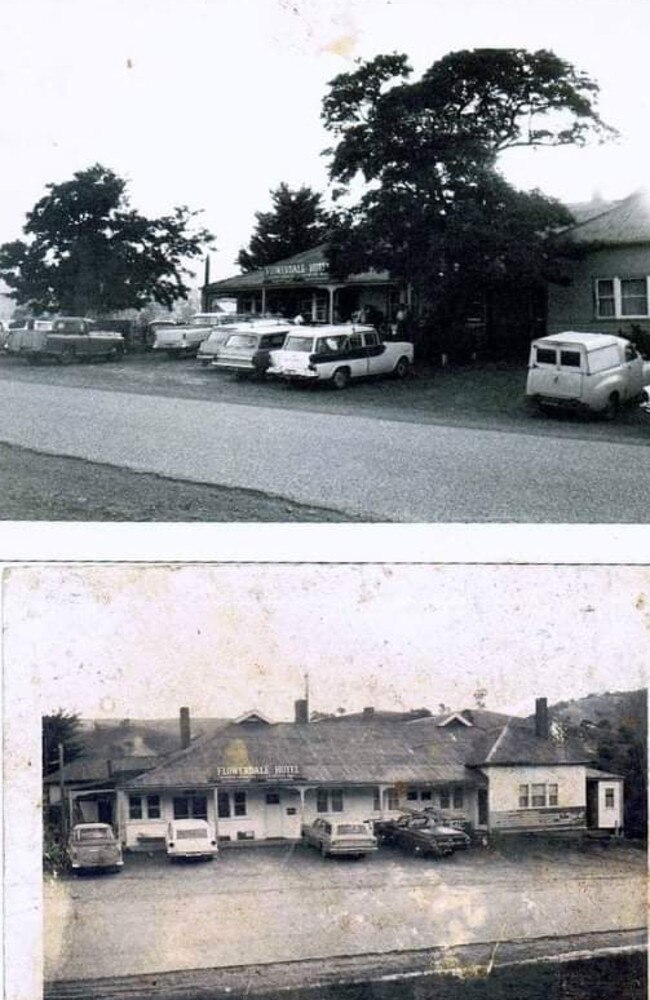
{"points": [[482, 819], [273, 825]]}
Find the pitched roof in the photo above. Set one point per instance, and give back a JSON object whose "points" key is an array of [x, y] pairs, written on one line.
{"points": [[623, 222], [518, 743], [309, 267], [361, 751]]}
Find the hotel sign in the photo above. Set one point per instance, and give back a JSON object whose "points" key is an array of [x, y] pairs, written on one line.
{"points": [[261, 771], [315, 269]]}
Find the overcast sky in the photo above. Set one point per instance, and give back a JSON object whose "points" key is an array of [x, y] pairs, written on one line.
{"points": [[211, 103], [140, 642]]}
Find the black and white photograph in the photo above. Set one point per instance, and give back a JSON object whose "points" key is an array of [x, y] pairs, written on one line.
{"points": [[335, 261], [319, 781]]}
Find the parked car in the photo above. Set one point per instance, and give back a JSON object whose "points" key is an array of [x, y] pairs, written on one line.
{"points": [[94, 846], [184, 339], [66, 339], [190, 839], [211, 346], [352, 838], [422, 833], [339, 353], [592, 372], [247, 351]]}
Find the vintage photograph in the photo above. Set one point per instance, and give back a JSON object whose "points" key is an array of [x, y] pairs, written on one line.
{"points": [[323, 781], [325, 260]]}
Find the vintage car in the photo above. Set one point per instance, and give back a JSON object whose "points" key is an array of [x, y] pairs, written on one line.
{"points": [[184, 339], [211, 346], [590, 372], [422, 833], [65, 339], [93, 846], [349, 837], [247, 351], [336, 354], [190, 840], [645, 403]]}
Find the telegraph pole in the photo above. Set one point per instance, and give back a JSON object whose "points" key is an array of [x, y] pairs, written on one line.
{"points": [[64, 817]]}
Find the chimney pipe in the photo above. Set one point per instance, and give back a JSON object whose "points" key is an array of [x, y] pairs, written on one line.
{"points": [[301, 711], [541, 718], [185, 728]]}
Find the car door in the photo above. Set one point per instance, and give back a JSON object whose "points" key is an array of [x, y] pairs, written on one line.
{"points": [[376, 353], [357, 355]]}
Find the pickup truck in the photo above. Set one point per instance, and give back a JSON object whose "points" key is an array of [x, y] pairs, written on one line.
{"points": [[184, 340], [422, 833], [337, 354], [65, 339]]}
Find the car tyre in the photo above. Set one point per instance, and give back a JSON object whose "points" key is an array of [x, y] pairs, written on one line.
{"points": [[341, 378], [67, 355], [402, 368], [613, 407]]}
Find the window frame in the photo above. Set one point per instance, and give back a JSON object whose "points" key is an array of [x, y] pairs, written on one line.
{"points": [[617, 297], [527, 796]]}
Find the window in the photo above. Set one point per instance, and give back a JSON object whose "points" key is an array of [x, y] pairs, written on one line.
{"points": [[240, 803], [372, 340], [412, 795], [135, 807], [337, 800], [223, 805], [153, 806], [620, 297], [458, 798], [538, 796], [545, 356], [273, 798], [634, 297], [444, 798], [356, 342], [191, 807], [570, 359], [609, 798], [392, 799], [376, 800], [321, 800], [425, 795]]}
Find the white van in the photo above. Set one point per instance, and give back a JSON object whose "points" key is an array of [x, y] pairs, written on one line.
{"points": [[594, 372], [190, 839]]}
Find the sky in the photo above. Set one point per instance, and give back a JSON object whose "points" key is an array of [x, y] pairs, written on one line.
{"points": [[213, 103], [136, 641]]}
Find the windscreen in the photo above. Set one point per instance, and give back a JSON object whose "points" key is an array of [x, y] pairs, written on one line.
{"points": [[344, 828], [305, 344], [200, 833], [242, 340], [95, 833]]}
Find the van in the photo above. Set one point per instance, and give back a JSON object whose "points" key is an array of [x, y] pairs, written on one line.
{"points": [[590, 372]]}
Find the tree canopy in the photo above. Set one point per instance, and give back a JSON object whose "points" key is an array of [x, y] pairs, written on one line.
{"points": [[87, 252], [436, 211], [65, 728], [296, 222]]}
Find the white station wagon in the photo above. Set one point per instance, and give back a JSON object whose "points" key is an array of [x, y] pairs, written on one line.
{"points": [[190, 839], [337, 354], [594, 372]]}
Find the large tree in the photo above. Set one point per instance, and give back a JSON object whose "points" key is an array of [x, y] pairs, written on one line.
{"points": [[60, 728], [436, 211], [296, 222], [87, 252]]}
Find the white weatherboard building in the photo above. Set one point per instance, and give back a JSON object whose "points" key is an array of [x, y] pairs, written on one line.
{"points": [[254, 780]]}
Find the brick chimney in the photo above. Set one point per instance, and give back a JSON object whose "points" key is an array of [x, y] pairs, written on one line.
{"points": [[301, 711], [368, 712], [541, 718], [186, 735]]}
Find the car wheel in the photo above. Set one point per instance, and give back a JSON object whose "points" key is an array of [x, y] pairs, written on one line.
{"points": [[67, 355], [402, 368], [340, 378], [613, 407]]}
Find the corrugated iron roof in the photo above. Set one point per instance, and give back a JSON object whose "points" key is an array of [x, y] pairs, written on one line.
{"points": [[624, 222], [317, 255]]}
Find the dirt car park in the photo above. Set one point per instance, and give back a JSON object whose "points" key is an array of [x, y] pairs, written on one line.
{"points": [[157, 917]]}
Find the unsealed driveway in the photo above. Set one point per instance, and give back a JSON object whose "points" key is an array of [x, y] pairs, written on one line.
{"points": [[280, 904]]}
